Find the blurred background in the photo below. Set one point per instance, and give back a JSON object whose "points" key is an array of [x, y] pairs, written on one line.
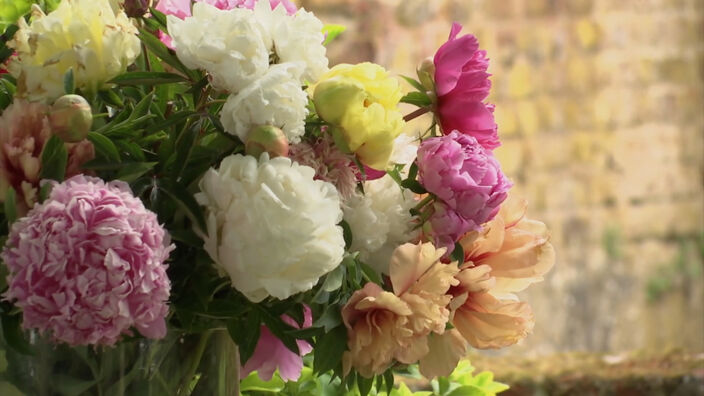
{"points": [[600, 107]]}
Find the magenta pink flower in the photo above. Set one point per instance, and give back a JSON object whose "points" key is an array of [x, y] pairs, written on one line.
{"points": [[466, 178], [462, 84], [87, 264], [270, 353]]}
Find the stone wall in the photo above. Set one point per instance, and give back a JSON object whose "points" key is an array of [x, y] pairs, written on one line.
{"points": [[601, 111]]}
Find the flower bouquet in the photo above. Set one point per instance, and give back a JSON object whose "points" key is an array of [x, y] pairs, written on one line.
{"points": [[192, 195]]}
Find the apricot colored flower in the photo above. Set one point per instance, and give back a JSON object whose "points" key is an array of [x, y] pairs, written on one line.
{"points": [[384, 326], [506, 257]]}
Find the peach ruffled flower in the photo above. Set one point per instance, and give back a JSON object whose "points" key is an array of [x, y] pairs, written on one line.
{"points": [[506, 257], [24, 129], [384, 326]]}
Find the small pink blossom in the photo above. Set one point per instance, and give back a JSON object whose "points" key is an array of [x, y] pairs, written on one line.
{"points": [[270, 353], [330, 164], [87, 264], [462, 84], [466, 178]]}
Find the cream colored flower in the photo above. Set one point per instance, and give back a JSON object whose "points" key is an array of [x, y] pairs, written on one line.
{"points": [[275, 99], [294, 38], [380, 221], [271, 227], [83, 35], [226, 43]]}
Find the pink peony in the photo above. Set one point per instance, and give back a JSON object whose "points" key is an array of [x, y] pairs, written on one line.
{"points": [[330, 164], [466, 178], [461, 84], [270, 353], [24, 129], [87, 264]]}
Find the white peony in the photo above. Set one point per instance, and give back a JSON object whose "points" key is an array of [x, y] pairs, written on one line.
{"points": [[271, 227], [226, 43], [380, 221], [274, 99], [85, 36], [294, 38]]}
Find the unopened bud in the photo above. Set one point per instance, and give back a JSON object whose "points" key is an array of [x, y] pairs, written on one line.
{"points": [[266, 138], [136, 8], [426, 73], [71, 118]]}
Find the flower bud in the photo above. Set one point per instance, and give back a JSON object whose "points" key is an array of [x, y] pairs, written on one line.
{"points": [[136, 8], [266, 138], [71, 118], [426, 73]]}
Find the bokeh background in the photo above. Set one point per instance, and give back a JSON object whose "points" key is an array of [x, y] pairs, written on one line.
{"points": [[601, 112]]}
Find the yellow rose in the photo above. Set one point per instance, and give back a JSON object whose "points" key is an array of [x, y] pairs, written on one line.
{"points": [[361, 103], [84, 35]]}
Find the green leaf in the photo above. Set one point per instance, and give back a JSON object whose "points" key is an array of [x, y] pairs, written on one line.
{"points": [[69, 82], [329, 348], [370, 273], [133, 171], [245, 333], [414, 186], [187, 203], [346, 234], [54, 158], [254, 384], [364, 385], [12, 332], [331, 31], [10, 206], [389, 380], [104, 147], [458, 254], [147, 78], [467, 390], [415, 83], [329, 320], [110, 97], [333, 280], [159, 49], [279, 328], [70, 386], [158, 16], [184, 146], [420, 99]]}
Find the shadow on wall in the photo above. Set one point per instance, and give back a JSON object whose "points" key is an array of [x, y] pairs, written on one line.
{"points": [[599, 106]]}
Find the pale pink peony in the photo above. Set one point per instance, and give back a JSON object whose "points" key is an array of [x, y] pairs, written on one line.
{"points": [[182, 9], [466, 178], [330, 164], [87, 264], [271, 354], [461, 85], [24, 129]]}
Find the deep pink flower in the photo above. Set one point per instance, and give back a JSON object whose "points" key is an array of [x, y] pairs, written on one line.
{"points": [[462, 84], [270, 353], [87, 264], [466, 178]]}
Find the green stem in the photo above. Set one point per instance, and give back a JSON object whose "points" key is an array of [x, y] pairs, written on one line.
{"points": [[424, 202], [183, 389]]}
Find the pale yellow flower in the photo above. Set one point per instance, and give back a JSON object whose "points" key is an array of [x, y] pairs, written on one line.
{"points": [[86, 36]]}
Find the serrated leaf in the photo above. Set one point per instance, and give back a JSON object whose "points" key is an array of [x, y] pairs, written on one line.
{"points": [[331, 31], [328, 350], [104, 147], [147, 78], [420, 99], [54, 159]]}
